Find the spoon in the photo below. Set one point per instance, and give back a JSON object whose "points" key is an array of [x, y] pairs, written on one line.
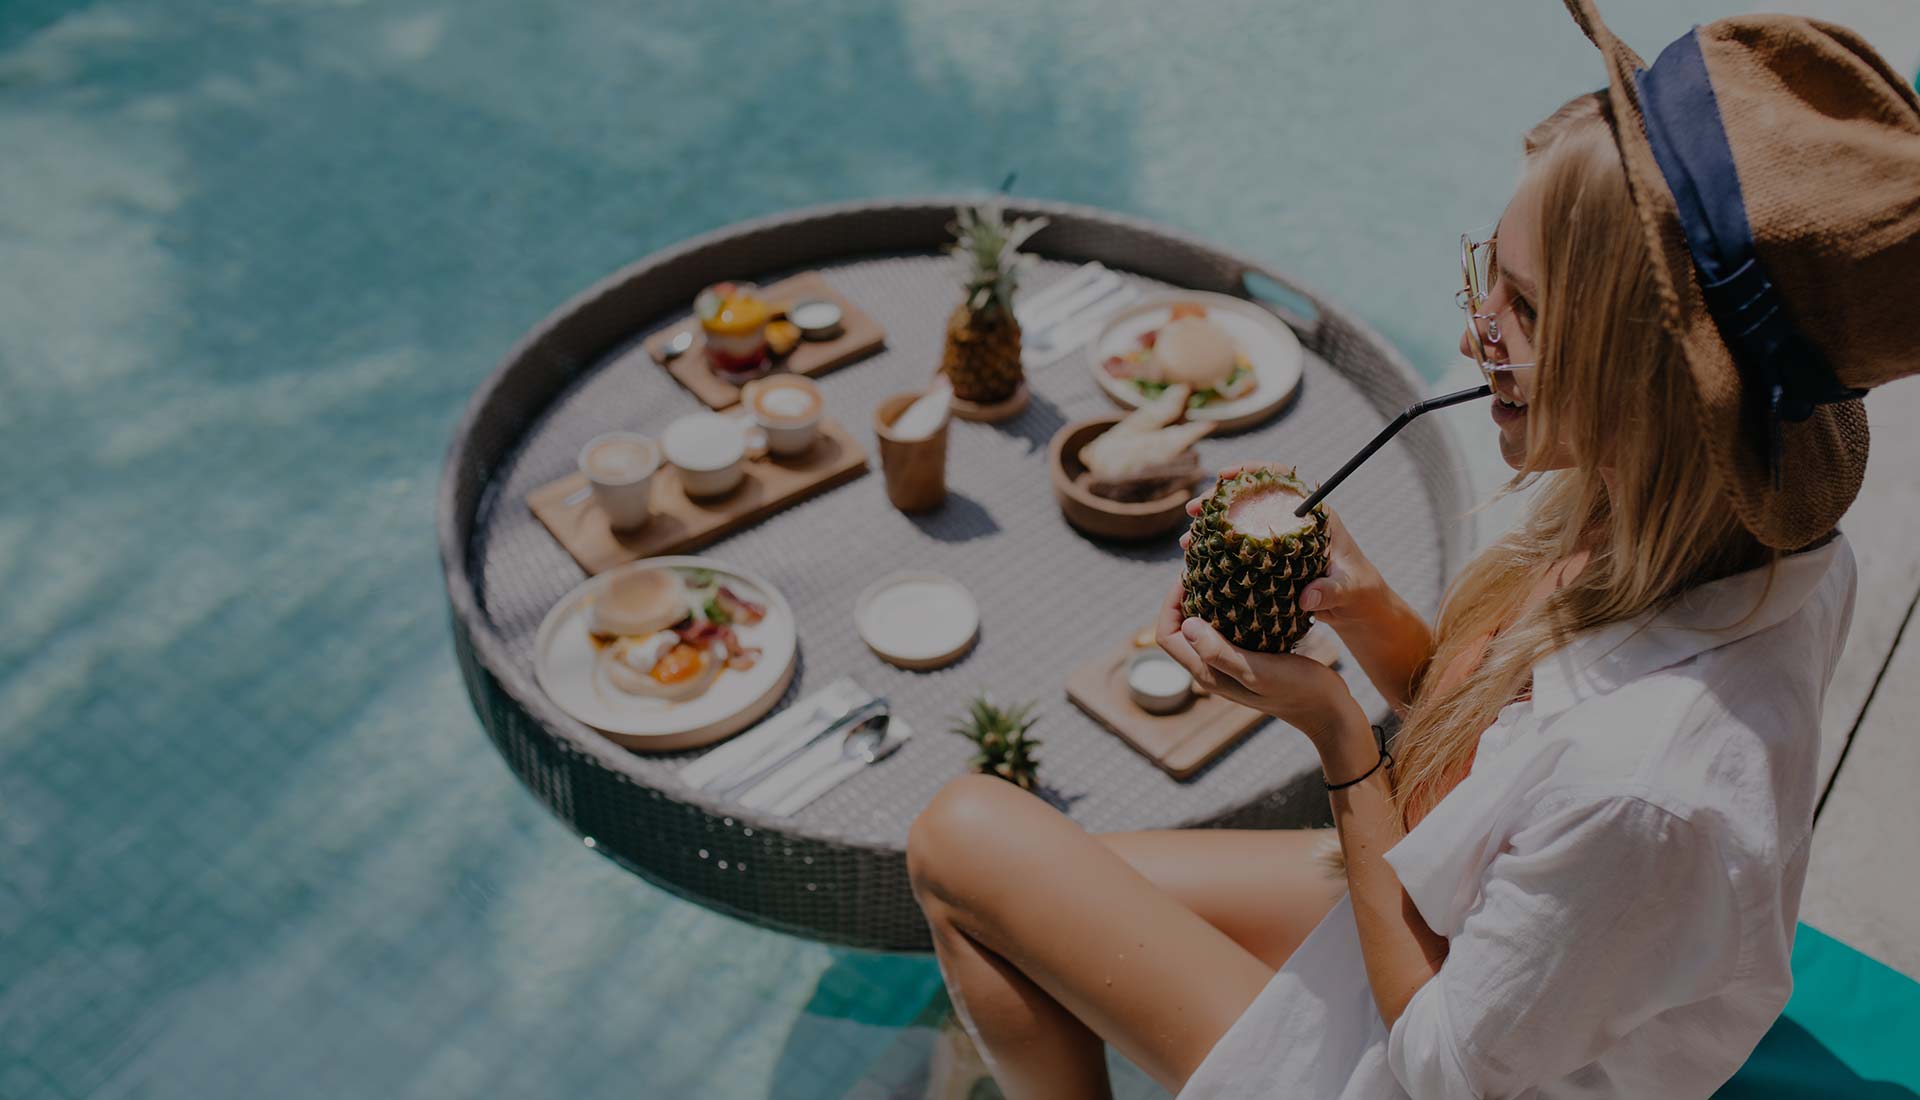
{"points": [[676, 347], [867, 741], [860, 716]]}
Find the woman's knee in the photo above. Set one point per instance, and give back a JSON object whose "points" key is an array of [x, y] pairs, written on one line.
{"points": [[959, 845]]}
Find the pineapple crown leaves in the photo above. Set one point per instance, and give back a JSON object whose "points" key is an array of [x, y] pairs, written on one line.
{"points": [[1001, 735], [984, 719], [988, 249]]}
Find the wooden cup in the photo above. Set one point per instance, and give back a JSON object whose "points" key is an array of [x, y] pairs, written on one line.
{"points": [[915, 469]]}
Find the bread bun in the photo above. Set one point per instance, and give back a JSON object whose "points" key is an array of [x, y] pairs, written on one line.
{"points": [[640, 603], [1196, 352]]}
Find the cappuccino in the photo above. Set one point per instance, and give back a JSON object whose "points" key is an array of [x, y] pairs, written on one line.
{"points": [[620, 459], [786, 400], [619, 468], [787, 408]]}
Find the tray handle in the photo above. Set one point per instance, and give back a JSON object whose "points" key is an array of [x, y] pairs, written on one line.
{"points": [[1286, 301]]}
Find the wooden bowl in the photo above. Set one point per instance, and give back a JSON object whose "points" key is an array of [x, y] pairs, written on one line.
{"points": [[1098, 516]]}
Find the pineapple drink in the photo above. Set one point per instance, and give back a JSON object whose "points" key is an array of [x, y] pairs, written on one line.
{"points": [[1251, 556]]}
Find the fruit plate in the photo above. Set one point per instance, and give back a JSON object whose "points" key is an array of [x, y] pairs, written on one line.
{"points": [[1264, 339], [569, 667]]}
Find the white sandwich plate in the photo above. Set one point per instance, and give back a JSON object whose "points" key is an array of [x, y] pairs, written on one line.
{"points": [[571, 669], [1267, 343]]}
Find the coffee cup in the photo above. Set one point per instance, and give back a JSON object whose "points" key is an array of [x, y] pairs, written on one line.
{"points": [[913, 450], [787, 408], [709, 451], [619, 466]]}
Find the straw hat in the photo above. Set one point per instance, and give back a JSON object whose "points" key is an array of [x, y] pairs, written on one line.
{"points": [[1775, 162]]}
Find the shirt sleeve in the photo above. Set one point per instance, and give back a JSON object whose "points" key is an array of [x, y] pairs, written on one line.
{"points": [[1601, 913]]}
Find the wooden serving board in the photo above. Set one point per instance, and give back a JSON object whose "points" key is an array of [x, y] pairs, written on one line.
{"points": [[860, 336], [1180, 743], [679, 523]]}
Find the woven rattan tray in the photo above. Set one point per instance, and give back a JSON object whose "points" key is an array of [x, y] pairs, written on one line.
{"points": [[1049, 597]]}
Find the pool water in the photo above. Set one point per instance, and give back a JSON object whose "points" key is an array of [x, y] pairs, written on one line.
{"points": [[254, 254]]}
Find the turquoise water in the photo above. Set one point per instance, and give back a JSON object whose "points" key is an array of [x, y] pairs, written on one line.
{"points": [[254, 256]]}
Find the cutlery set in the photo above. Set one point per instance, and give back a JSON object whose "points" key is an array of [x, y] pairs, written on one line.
{"points": [[803, 752]]}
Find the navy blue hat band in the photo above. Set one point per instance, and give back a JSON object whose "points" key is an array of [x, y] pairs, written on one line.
{"points": [[1690, 145]]}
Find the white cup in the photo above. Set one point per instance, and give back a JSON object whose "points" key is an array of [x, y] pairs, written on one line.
{"points": [[1156, 684], [620, 468], [709, 451], [787, 408]]}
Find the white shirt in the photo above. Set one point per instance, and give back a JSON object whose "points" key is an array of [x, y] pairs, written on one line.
{"points": [[1618, 877]]}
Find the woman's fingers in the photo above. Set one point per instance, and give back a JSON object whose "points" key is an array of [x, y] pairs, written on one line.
{"points": [[1217, 652], [1166, 626], [1351, 581], [1166, 631], [1326, 594]]}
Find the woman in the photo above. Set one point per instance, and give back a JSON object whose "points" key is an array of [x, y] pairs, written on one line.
{"points": [[1578, 872]]}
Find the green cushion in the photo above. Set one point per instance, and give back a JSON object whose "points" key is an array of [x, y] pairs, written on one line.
{"points": [[1851, 1029]]}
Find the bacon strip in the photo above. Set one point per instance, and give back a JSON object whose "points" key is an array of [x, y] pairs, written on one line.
{"points": [[740, 657], [738, 608]]}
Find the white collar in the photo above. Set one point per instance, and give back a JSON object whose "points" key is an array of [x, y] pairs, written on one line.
{"points": [[1712, 615]]}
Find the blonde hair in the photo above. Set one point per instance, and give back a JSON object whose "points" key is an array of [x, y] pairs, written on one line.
{"points": [[1613, 387]]}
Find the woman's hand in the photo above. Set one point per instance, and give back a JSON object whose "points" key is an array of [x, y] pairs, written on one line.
{"points": [[1389, 639], [1297, 690]]}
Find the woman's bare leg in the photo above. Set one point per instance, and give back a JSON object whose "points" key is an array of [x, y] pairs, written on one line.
{"points": [[1265, 888], [1051, 940]]}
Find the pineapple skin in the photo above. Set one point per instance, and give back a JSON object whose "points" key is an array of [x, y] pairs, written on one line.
{"points": [[1248, 586], [982, 354]]}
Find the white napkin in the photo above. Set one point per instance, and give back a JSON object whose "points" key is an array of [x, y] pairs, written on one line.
{"points": [[1071, 334], [814, 773], [926, 414], [1036, 310], [1059, 319], [807, 776]]}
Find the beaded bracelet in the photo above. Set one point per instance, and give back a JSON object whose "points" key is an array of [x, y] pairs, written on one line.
{"points": [[1385, 761]]}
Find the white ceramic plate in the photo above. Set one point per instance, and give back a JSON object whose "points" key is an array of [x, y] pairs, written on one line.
{"points": [[568, 667], [1264, 339], [917, 620]]}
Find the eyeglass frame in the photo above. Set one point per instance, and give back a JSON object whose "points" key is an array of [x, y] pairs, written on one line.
{"points": [[1472, 297]]}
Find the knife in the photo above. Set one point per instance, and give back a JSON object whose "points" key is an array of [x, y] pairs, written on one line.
{"points": [[761, 770]]}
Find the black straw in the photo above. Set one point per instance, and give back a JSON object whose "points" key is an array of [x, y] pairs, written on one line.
{"points": [[1418, 408]]}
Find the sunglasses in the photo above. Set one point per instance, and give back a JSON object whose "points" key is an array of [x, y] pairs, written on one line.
{"points": [[1479, 270]]}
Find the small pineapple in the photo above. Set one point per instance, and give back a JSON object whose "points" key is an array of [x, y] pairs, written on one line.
{"points": [[982, 357], [1005, 748]]}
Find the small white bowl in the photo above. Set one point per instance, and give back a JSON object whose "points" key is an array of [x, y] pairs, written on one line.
{"points": [[816, 318], [1155, 689]]}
